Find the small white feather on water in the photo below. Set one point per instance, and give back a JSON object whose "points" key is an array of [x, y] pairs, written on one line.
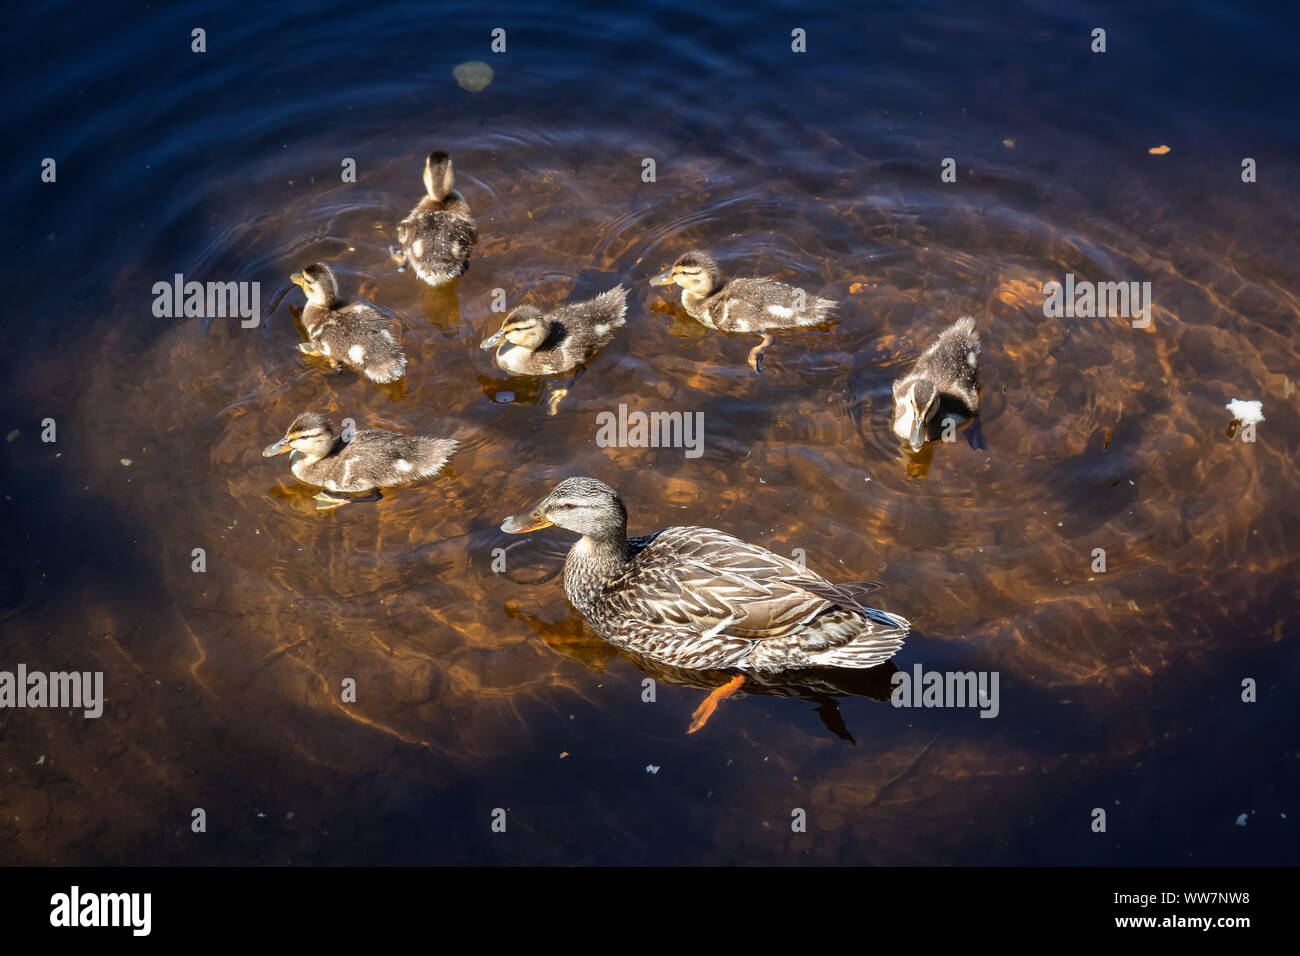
{"points": [[1248, 413]]}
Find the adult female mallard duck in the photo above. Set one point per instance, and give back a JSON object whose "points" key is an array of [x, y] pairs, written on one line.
{"points": [[701, 599], [373, 458], [742, 305], [438, 235], [352, 334], [946, 376], [550, 343]]}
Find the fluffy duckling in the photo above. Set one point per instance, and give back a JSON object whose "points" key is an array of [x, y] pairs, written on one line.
{"points": [[373, 459], [702, 599], [551, 343], [947, 373], [439, 234], [352, 334], [742, 305]]}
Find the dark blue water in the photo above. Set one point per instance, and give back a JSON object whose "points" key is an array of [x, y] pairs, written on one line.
{"points": [[479, 691]]}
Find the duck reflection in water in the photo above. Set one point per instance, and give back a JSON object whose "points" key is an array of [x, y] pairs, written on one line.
{"points": [[570, 637]]}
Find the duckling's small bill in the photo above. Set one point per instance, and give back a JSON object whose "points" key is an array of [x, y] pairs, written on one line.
{"points": [[278, 448], [663, 278], [493, 340]]}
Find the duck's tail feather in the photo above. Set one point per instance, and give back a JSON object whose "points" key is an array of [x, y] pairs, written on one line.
{"points": [[965, 327], [388, 369], [434, 453], [615, 300], [877, 643], [818, 311]]}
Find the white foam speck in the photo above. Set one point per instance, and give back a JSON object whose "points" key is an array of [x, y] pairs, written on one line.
{"points": [[1248, 413]]}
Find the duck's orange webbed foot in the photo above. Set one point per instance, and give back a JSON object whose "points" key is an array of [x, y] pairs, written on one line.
{"points": [[756, 353], [710, 703]]}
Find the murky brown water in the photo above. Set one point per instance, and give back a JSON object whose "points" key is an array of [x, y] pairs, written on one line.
{"points": [[479, 690]]}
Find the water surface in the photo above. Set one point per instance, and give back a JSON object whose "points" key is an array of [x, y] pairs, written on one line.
{"points": [[478, 689]]}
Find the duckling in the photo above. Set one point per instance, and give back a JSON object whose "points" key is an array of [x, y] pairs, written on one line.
{"points": [[373, 459], [946, 373], [742, 305], [439, 234], [555, 342], [354, 334]]}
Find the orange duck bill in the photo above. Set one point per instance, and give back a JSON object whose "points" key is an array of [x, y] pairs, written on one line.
{"points": [[533, 520]]}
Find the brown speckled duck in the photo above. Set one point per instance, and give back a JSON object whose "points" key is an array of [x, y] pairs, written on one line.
{"points": [[742, 305], [352, 334], [373, 459], [702, 599], [438, 235]]}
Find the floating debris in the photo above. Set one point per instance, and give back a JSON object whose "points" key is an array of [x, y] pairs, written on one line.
{"points": [[1158, 150], [474, 75], [651, 768], [127, 462], [12, 435], [1248, 413], [1009, 143]]}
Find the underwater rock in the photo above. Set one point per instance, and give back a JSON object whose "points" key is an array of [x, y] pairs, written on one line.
{"points": [[473, 75]]}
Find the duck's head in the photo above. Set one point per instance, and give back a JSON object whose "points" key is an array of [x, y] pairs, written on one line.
{"points": [[318, 283], [585, 505], [695, 271], [525, 326], [438, 177], [311, 433], [914, 407]]}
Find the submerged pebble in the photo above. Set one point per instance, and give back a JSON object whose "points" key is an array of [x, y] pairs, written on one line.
{"points": [[473, 75]]}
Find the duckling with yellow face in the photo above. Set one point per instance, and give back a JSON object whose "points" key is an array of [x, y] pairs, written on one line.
{"points": [[438, 235], [946, 376], [753, 305], [532, 342], [372, 459], [352, 334]]}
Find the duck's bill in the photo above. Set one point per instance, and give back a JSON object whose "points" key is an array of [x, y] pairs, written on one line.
{"points": [[279, 448], [663, 278], [493, 339], [522, 524], [917, 438]]}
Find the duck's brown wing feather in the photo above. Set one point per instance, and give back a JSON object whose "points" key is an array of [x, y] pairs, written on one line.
{"points": [[712, 583]]}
